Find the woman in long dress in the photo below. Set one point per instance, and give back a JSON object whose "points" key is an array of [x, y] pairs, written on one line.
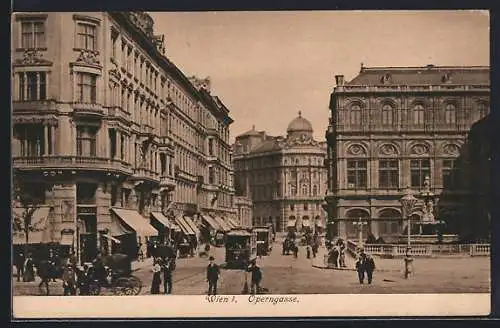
{"points": [[155, 285]]}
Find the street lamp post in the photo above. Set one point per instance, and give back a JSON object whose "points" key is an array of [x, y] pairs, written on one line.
{"points": [[360, 223], [408, 202]]}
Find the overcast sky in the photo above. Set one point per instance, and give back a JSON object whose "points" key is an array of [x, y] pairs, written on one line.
{"points": [[266, 66]]}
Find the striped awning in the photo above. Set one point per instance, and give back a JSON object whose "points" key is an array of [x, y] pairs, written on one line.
{"points": [[185, 228], [291, 223], [39, 233], [232, 223], [223, 224], [66, 239], [136, 221], [306, 223], [162, 219], [211, 222], [192, 225]]}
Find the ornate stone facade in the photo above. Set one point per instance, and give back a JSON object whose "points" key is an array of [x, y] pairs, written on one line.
{"points": [[389, 129], [284, 176], [101, 119]]}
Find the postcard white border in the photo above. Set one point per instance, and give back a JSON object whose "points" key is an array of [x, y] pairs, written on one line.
{"points": [[179, 306]]}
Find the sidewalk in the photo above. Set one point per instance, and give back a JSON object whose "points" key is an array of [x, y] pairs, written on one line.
{"points": [[137, 265]]}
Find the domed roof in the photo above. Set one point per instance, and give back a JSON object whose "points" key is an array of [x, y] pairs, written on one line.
{"points": [[299, 124]]}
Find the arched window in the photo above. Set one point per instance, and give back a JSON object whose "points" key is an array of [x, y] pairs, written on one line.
{"points": [[355, 115], [305, 190], [418, 114], [387, 114], [450, 114], [315, 190]]}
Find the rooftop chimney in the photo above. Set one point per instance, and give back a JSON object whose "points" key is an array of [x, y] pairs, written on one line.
{"points": [[339, 79]]}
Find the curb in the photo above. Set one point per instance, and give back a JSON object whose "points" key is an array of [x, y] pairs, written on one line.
{"points": [[335, 269]]}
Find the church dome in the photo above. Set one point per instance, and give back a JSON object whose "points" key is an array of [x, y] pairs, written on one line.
{"points": [[299, 125]]}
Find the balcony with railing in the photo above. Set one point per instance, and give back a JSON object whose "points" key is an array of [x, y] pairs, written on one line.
{"points": [[34, 106], [71, 163], [143, 173], [412, 88], [90, 110], [168, 182]]}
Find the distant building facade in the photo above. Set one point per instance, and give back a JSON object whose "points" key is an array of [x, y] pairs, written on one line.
{"points": [[284, 176], [102, 119], [389, 129]]}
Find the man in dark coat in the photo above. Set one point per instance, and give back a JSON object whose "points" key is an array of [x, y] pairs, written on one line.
{"points": [[167, 267], [369, 268], [213, 273], [256, 276], [365, 263], [19, 263]]}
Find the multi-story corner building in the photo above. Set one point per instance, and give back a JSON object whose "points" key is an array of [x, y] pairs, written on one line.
{"points": [[284, 176], [107, 130], [391, 127]]}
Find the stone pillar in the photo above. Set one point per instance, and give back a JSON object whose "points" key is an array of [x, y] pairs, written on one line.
{"points": [[46, 140], [118, 144]]}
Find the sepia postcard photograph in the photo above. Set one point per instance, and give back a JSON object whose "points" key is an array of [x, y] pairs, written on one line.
{"points": [[250, 164]]}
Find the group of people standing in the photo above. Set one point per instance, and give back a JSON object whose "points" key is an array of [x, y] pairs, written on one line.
{"points": [[336, 253]]}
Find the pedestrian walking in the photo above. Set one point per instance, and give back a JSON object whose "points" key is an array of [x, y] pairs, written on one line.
{"points": [[213, 274], [69, 279], [256, 277], [29, 272], [52, 261], [308, 250], [369, 267], [295, 251], [365, 264], [155, 285], [167, 275], [19, 263]]}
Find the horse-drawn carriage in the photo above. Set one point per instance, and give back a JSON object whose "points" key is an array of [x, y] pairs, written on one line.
{"points": [[114, 272], [240, 248], [288, 246], [264, 240]]}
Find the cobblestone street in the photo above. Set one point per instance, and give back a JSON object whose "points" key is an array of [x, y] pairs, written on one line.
{"points": [[288, 275]]}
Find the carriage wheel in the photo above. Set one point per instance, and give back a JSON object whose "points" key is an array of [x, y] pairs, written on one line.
{"points": [[94, 289]]}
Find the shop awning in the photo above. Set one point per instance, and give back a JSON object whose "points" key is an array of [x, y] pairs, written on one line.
{"points": [[185, 228], [112, 239], [306, 223], [291, 223], [211, 222], [135, 221], [66, 239], [233, 223], [162, 219], [223, 224], [40, 222], [192, 225]]}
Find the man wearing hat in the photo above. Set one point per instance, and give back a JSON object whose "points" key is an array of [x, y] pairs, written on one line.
{"points": [[213, 273], [256, 276]]}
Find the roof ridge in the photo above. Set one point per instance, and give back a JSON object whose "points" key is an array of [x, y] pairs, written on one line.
{"points": [[379, 68]]}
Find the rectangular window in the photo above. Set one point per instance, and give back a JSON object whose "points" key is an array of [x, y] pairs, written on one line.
{"points": [[420, 168], [33, 86], [86, 137], [114, 37], [356, 174], [450, 174], [86, 37], [86, 86], [112, 143], [211, 147], [32, 35], [32, 139], [211, 175], [388, 174], [129, 59], [122, 147]]}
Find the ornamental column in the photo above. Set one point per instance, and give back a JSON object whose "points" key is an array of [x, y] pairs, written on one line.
{"points": [[45, 140]]}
